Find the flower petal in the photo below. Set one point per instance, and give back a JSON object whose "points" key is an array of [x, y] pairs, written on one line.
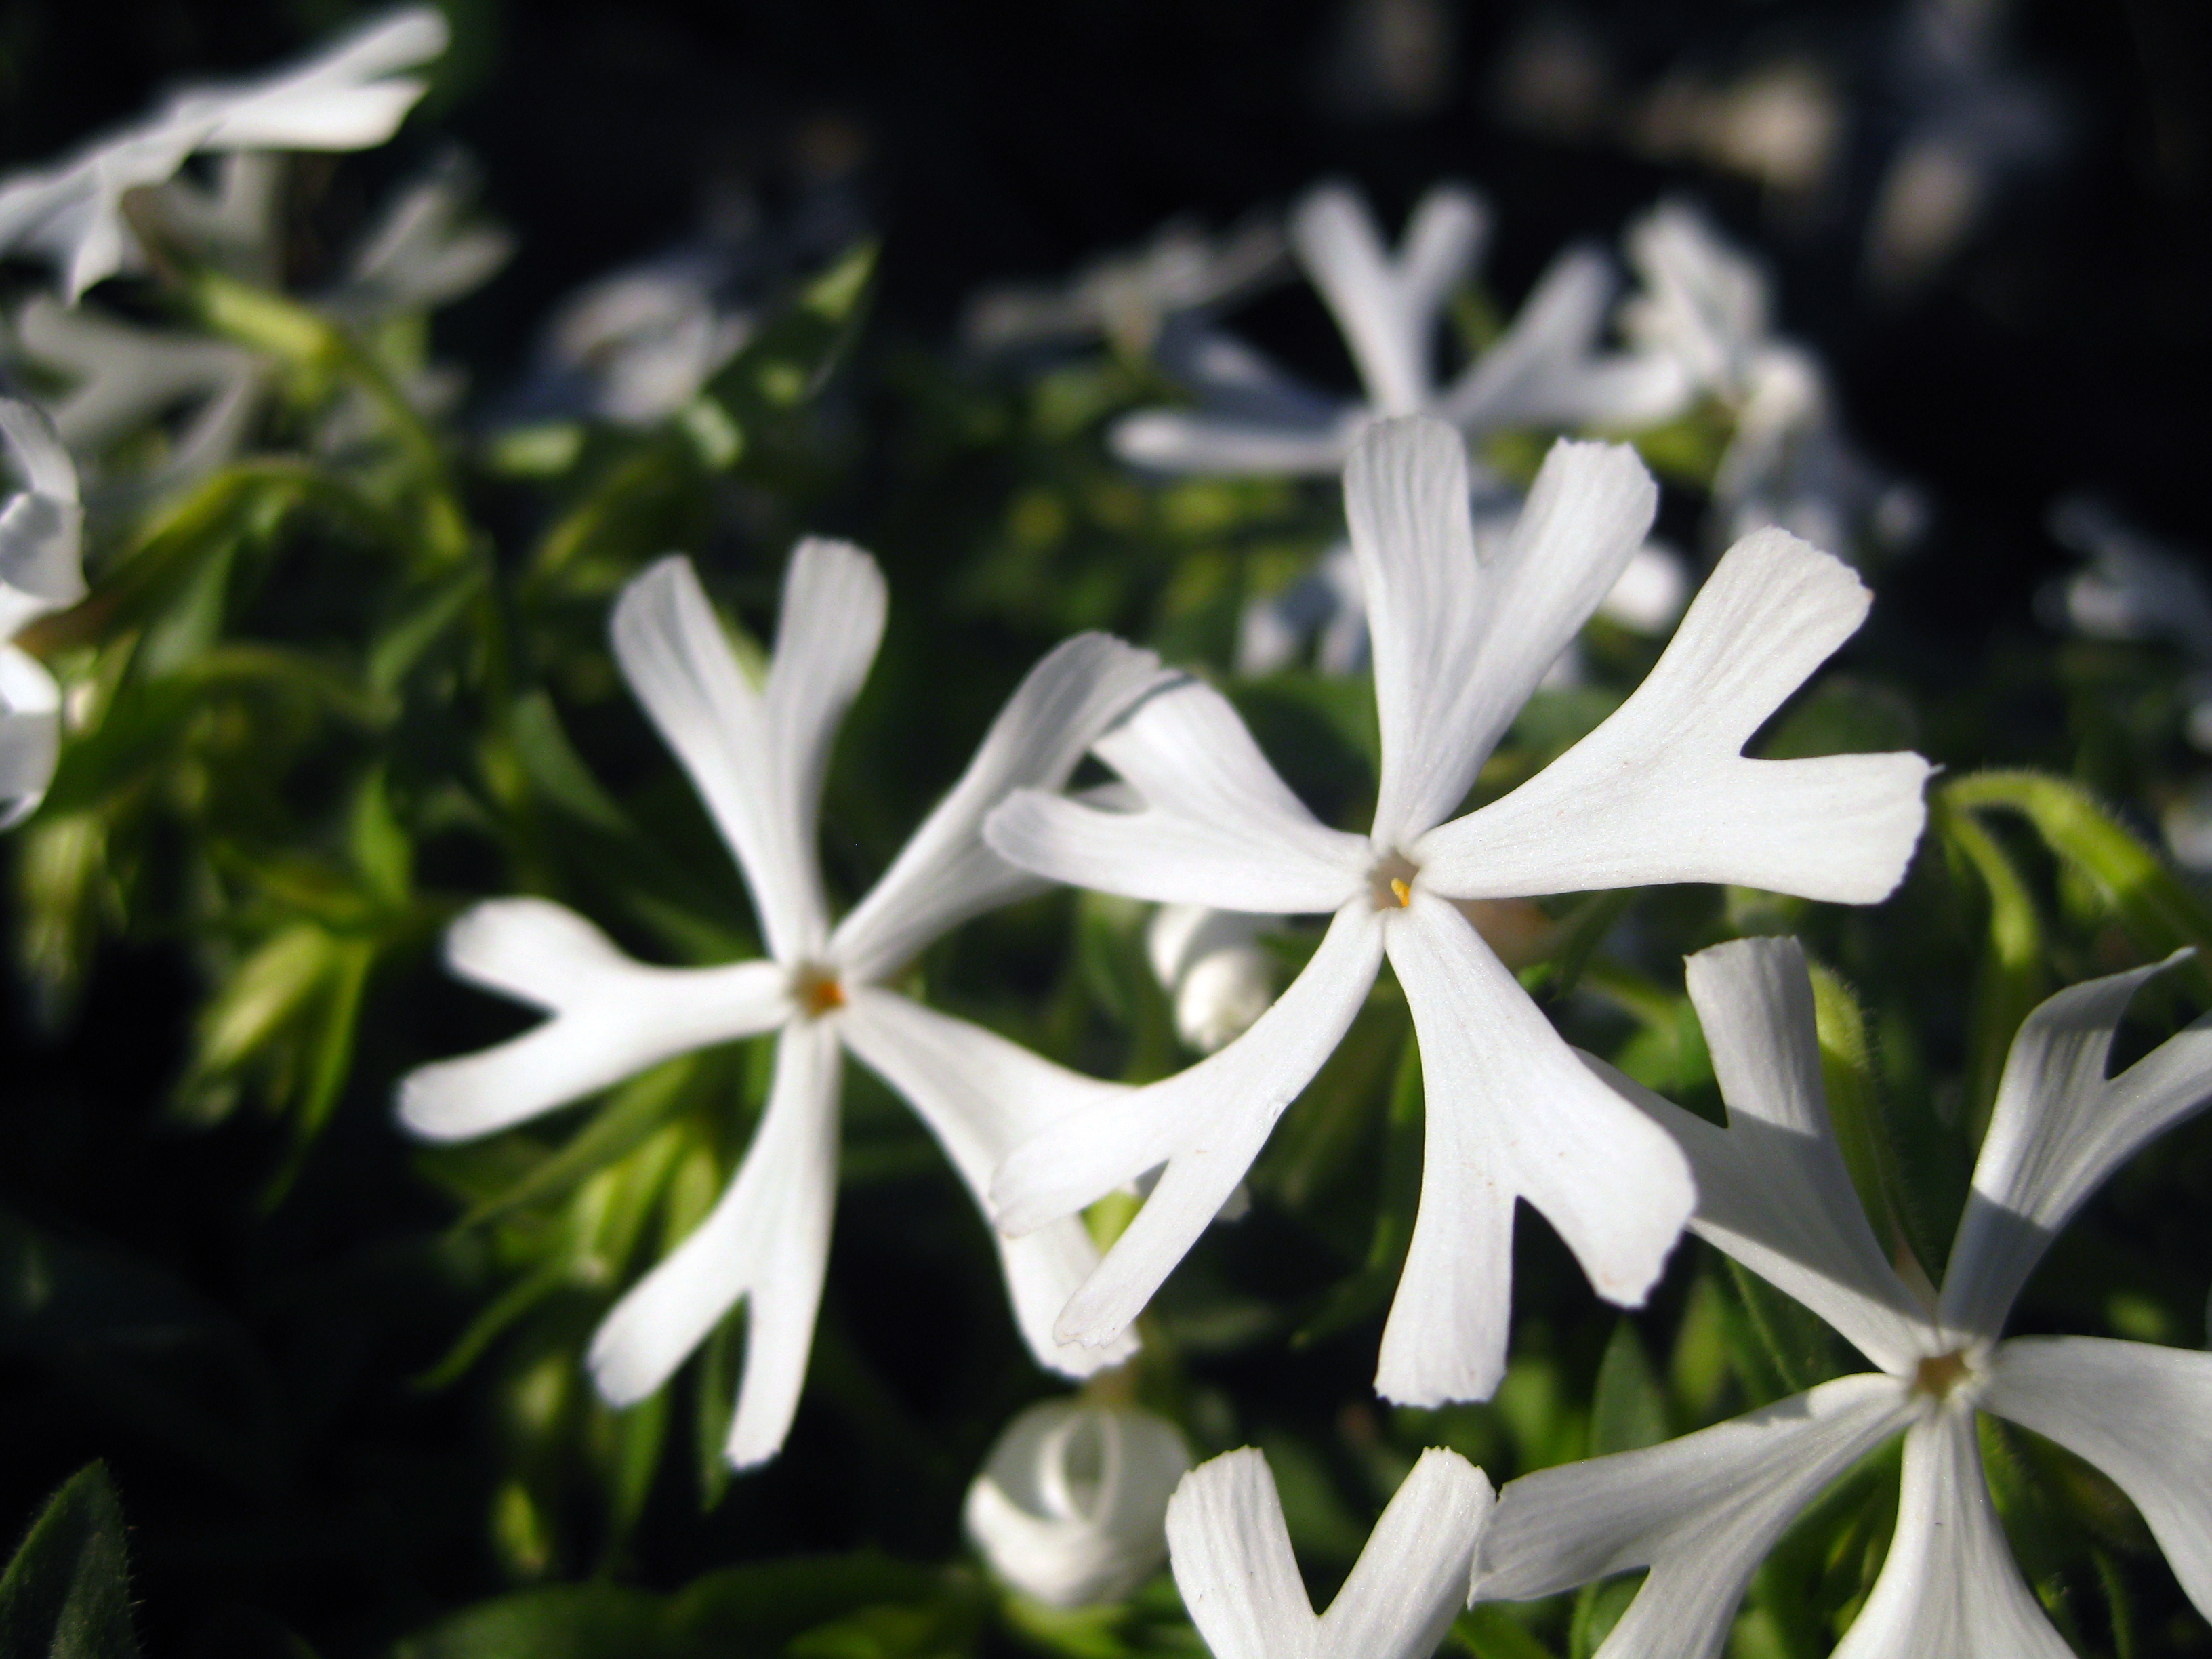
{"points": [[767, 1241], [1459, 643], [1411, 1578], [1232, 1560], [30, 733], [2141, 1413], [757, 760], [1225, 445], [1701, 1512], [1546, 370], [1511, 1113], [1662, 793], [981, 1096], [1772, 1188], [946, 874], [1206, 1124], [1218, 827], [1950, 1585], [338, 99], [612, 1016], [1335, 239], [2059, 1128]]}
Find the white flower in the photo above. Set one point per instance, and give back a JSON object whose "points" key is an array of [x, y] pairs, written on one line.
{"points": [[421, 252], [1544, 371], [123, 378], [350, 97], [1239, 1581], [1660, 792], [1208, 962], [757, 757], [646, 339], [1773, 1193], [1707, 307], [1126, 298], [1071, 1507], [41, 570], [2132, 587], [1327, 608]]}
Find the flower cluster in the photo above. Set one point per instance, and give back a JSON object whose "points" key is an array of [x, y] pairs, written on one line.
{"points": [[1389, 831]]}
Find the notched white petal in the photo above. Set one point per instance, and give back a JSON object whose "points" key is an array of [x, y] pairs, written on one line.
{"points": [[736, 745], [766, 1242], [2060, 1126], [1460, 643], [1217, 827], [1233, 1563], [1205, 1124], [1950, 1585], [2141, 1413], [1701, 1512], [611, 1016], [1509, 1113], [1661, 790], [981, 1096], [1411, 1578], [1773, 1190], [946, 872]]}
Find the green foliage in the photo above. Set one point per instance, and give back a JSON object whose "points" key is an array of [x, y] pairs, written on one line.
{"points": [[66, 1594]]}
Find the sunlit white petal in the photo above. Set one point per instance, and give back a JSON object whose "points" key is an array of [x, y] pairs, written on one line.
{"points": [[612, 1017], [1218, 827], [2060, 1126], [1206, 1124], [767, 1241], [946, 872], [1459, 644], [1772, 1188], [1662, 792], [1510, 1113], [1233, 1562], [757, 761], [981, 1097], [1701, 1512], [1949, 1586], [1411, 1578], [2141, 1413]]}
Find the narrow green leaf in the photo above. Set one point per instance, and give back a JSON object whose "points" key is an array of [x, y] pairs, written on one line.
{"points": [[1628, 1409], [67, 1593]]}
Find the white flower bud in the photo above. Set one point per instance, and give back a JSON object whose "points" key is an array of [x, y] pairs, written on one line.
{"points": [[1206, 961], [1071, 1506]]}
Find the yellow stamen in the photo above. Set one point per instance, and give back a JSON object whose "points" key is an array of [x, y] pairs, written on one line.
{"points": [[817, 991], [1401, 892], [1940, 1374]]}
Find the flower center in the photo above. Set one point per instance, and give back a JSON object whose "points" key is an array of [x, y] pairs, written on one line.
{"points": [[1940, 1374], [816, 990], [1390, 883]]}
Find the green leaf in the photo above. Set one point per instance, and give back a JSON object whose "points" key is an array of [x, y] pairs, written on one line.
{"points": [[2012, 977], [1489, 1631], [67, 1594], [1628, 1410], [561, 1621]]}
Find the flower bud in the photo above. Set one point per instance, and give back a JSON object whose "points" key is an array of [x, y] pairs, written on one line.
{"points": [[1071, 1505], [1207, 962]]}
